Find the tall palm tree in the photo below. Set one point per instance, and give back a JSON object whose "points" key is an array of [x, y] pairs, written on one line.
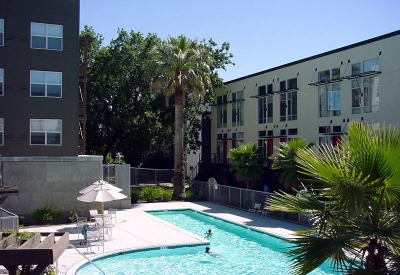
{"points": [[354, 204], [247, 161], [180, 67], [285, 160]]}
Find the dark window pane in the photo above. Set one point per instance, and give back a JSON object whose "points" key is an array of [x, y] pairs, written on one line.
{"points": [[1, 39], [270, 89], [54, 43], [37, 138], [292, 131], [292, 83], [262, 90], [53, 90], [324, 76], [282, 85], [38, 90], [38, 42], [53, 138], [356, 68]]}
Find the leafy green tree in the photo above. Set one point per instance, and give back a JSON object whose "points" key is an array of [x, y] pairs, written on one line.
{"points": [[285, 160], [122, 114], [180, 67], [247, 161], [354, 204]]}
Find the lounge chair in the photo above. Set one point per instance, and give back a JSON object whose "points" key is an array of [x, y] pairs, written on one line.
{"points": [[256, 209], [266, 212]]}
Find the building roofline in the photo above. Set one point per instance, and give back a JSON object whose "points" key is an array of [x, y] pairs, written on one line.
{"points": [[371, 40]]}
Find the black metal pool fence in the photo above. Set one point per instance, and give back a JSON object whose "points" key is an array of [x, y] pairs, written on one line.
{"points": [[243, 199]]}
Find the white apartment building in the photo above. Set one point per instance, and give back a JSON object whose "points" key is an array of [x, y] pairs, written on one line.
{"points": [[314, 98]]}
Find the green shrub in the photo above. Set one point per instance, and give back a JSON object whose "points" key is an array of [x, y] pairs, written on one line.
{"points": [[46, 214], [150, 194], [72, 217], [166, 194], [136, 194], [189, 194]]}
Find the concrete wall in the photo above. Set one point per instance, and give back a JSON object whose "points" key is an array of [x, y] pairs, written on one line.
{"points": [[56, 180]]}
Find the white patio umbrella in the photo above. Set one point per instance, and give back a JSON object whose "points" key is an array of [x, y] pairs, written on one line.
{"points": [[102, 193], [100, 183]]}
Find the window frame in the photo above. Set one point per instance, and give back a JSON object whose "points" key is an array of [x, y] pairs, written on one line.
{"points": [[329, 93], [1, 131], [1, 32], [238, 109], [288, 110], [47, 37], [46, 84], [46, 132], [1, 82], [265, 109], [362, 91]]}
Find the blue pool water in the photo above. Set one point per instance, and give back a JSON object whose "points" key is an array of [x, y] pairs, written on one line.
{"points": [[238, 250]]}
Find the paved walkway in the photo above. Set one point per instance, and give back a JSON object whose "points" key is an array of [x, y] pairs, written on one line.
{"points": [[135, 229]]}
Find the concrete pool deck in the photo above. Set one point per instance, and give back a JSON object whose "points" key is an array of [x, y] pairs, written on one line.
{"points": [[136, 229]]}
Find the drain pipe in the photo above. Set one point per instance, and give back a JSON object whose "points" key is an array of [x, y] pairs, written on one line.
{"points": [[70, 245]]}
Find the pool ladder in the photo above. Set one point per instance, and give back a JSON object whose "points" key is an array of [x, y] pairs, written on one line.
{"points": [[70, 245]]}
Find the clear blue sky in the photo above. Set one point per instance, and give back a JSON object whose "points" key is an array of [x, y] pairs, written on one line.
{"points": [[262, 33]]}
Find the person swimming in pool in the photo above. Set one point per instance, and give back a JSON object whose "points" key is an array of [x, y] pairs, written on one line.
{"points": [[208, 233], [208, 251]]}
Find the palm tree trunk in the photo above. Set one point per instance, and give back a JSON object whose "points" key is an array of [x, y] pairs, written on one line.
{"points": [[179, 184]]}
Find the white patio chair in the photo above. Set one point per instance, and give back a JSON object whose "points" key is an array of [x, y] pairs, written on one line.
{"points": [[113, 213], [94, 238], [266, 212], [105, 225], [256, 209], [93, 215]]}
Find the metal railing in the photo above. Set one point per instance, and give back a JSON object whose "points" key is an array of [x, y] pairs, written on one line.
{"points": [[151, 176], [8, 220], [90, 261], [243, 199]]}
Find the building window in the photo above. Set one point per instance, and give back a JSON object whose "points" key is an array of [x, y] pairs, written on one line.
{"points": [[1, 82], [326, 140], [1, 131], [265, 110], [222, 111], [46, 36], [365, 95], [366, 66], [292, 83], [1, 32], [288, 106], [292, 131], [239, 136], [329, 100], [329, 75], [45, 131], [47, 84], [237, 109], [262, 90]]}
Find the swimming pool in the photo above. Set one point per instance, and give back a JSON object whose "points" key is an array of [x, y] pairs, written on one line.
{"points": [[238, 249]]}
